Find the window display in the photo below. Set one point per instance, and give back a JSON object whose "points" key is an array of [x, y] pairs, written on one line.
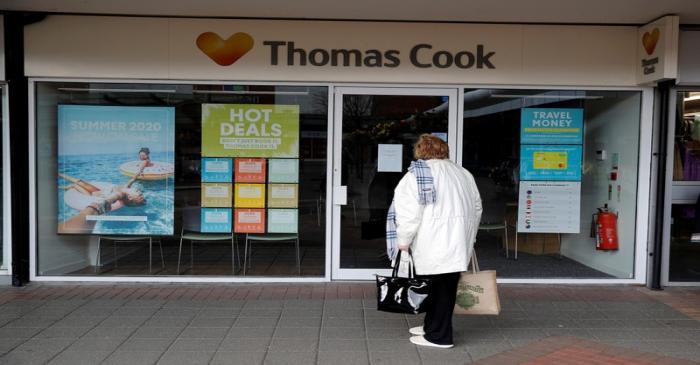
{"points": [[546, 163], [170, 161]]}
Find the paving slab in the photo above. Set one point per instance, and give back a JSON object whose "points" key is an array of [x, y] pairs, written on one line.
{"points": [[192, 324]]}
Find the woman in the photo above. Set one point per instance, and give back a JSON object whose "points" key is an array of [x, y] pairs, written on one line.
{"points": [[145, 157], [440, 232]]}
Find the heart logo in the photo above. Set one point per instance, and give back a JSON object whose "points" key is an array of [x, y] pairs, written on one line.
{"points": [[225, 52], [649, 40]]}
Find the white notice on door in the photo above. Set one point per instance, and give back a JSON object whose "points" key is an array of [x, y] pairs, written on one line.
{"points": [[549, 207], [390, 158]]}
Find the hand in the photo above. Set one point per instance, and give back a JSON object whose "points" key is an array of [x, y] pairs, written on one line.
{"points": [[404, 248]]}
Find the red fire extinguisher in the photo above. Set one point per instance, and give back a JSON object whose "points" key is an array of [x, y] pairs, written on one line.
{"points": [[605, 229]]}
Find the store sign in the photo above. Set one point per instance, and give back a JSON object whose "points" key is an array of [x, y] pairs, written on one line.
{"points": [[250, 130], [228, 51], [330, 51], [657, 50], [115, 170]]}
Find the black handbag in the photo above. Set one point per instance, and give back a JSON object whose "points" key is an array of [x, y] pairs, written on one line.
{"points": [[402, 295]]}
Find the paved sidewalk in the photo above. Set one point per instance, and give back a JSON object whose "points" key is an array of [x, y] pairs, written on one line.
{"points": [[337, 323]]}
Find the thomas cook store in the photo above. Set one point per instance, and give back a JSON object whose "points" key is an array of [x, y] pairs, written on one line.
{"points": [[264, 150]]}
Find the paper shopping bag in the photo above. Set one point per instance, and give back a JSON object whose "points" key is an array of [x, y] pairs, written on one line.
{"points": [[477, 292]]}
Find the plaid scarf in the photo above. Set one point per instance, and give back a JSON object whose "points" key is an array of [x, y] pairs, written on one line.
{"points": [[426, 195]]}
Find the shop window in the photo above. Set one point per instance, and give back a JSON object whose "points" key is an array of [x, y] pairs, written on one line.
{"points": [[165, 179], [686, 162], [545, 162]]}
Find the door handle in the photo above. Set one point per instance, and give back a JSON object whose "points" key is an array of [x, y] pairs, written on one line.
{"points": [[340, 195]]}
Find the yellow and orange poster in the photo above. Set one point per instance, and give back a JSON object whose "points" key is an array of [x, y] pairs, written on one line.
{"points": [[282, 195], [250, 170], [249, 220], [249, 196], [216, 195]]}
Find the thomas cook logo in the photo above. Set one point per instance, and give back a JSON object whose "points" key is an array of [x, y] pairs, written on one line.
{"points": [[649, 40], [225, 52]]}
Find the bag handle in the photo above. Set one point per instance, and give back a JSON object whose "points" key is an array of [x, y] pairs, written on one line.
{"points": [[411, 268], [475, 262]]}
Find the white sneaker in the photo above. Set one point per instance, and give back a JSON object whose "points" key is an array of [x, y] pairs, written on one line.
{"points": [[417, 331], [421, 341]]}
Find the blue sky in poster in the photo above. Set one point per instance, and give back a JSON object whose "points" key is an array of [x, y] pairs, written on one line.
{"points": [[550, 162], [551, 126], [94, 144]]}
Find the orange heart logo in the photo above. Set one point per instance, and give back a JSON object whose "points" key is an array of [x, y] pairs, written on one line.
{"points": [[649, 40], [225, 52]]}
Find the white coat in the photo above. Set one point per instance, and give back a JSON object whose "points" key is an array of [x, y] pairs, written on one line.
{"points": [[442, 234]]}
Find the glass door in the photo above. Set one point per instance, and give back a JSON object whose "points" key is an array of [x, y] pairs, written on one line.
{"points": [[373, 146], [681, 251]]}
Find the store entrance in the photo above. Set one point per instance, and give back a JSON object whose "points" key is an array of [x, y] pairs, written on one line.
{"points": [[375, 129], [681, 254]]}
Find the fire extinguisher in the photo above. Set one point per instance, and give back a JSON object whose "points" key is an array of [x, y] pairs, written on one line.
{"points": [[605, 229]]}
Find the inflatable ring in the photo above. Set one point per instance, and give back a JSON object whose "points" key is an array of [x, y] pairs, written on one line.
{"points": [[157, 171]]}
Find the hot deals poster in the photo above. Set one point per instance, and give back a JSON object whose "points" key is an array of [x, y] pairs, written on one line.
{"points": [[115, 170], [250, 130]]}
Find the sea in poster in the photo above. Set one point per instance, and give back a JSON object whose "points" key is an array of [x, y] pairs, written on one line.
{"points": [[100, 150]]}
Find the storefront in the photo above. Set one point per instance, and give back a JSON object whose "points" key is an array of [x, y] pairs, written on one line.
{"points": [[270, 149], [681, 246]]}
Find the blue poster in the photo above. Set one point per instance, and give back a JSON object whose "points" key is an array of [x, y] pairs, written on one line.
{"points": [[216, 220], [550, 163], [116, 167], [551, 126], [217, 170]]}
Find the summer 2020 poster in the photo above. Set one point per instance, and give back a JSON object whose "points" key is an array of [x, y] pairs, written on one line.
{"points": [[115, 170]]}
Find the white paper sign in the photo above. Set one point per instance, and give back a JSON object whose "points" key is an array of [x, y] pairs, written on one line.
{"points": [[390, 158], [216, 191], [549, 207]]}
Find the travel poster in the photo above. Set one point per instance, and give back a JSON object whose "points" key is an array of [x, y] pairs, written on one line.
{"points": [[217, 170], [115, 170], [283, 170], [250, 130], [250, 170], [551, 126], [282, 195], [216, 220], [217, 195], [550, 162], [282, 221], [249, 221], [249, 196], [549, 206]]}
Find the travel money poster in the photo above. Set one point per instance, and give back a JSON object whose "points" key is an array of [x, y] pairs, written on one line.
{"points": [[550, 163], [115, 170], [551, 157], [250, 130], [551, 126]]}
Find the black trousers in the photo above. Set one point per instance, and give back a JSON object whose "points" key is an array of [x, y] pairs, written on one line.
{"points": [[440, 306]]}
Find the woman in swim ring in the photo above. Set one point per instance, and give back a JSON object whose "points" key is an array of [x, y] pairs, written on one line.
{"points": [[145, 157]]}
